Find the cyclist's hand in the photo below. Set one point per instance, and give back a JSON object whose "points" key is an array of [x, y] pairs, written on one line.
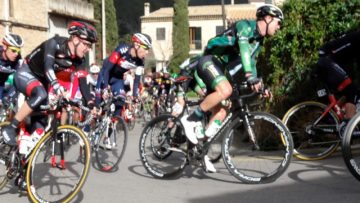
{"points": [[91, 104], [60, 91], [135, 100], [255, 83], [106, 93], [267, 94], [94, 112]]}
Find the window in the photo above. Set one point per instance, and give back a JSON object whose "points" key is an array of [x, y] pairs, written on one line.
{"points": [[219, 29], [160, 33], [195, 38]]}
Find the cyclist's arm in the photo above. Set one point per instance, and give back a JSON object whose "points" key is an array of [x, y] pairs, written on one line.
{"points": [[6, 69], [49, 61], [138, 73], [245, 51], [84, 87], [109, 63]]}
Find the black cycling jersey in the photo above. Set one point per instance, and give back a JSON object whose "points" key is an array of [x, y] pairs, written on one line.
{"points": [[344, 47], [7, 67], [53, 57], [332, 57]]}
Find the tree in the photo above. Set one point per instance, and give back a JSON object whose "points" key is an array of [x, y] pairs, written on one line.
{"points": [[180, 34], [291, 56], [111, 26]]}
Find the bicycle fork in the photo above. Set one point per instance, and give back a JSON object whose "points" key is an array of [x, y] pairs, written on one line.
{"points": [[250, 131]]}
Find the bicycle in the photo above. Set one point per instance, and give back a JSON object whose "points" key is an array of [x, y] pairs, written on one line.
{"points": [[163, 156], [315, 126], [351, 146], [108, 137], [48, 179]]}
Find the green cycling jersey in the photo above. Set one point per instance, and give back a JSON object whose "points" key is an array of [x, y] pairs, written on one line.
{"points": [[238, 44]]}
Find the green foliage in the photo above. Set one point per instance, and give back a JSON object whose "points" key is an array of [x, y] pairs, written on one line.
{"points": [[180, 36], [111, 26], [291, 55]]}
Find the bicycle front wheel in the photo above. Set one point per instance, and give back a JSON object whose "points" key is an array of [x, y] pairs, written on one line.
{"points": [[351, 146], [264, 157], [5, 151], [58, 166], [111, 146], [312, 141], [162, 145]]}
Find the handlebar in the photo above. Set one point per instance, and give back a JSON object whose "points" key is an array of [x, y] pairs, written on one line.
{"points": [[61, 102]]}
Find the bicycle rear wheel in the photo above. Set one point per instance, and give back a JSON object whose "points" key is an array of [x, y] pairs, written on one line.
{"points": [[162, 147], [53, 179], [351, 146], [262, 160], [111, 146], [312, 142]]}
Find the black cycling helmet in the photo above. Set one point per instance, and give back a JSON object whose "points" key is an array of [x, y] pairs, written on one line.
{"points": [[83, 30], [13, 40], [271, 10]]}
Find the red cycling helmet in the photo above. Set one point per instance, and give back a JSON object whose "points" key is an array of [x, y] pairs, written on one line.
{"points": [[83, 30]]}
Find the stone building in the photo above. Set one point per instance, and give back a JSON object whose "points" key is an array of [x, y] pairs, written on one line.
{"points": [[39, 20], [204, 23]]}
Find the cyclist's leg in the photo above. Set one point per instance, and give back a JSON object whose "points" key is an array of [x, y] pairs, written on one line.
{"points": [[337, 78], [29, 85], [117, 89], [218, 87]]}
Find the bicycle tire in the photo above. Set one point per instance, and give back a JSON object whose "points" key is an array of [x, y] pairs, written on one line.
{"points": [[351, 146], [299, 119], [42, 170], [4, 158], [263, 162], [112, 145], [214, 151], [160, 153]]}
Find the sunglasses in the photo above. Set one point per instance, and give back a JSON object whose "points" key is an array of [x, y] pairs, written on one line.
{"points": [[87, 44], [144, 47], [279, 22], [15, 49]]}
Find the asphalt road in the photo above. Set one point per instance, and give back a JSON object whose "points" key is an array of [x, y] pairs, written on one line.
{"points": [[305, 181]]}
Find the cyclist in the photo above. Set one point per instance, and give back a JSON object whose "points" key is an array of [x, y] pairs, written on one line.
{"points": [[334, 57], [10, 59], [52, 57], [238, 44], [93, 76], [121, 60]]}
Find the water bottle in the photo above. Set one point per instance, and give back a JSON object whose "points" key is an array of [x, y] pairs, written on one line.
{"points": [[36, 135], [25, 144], [213, 128], [199, 131]]}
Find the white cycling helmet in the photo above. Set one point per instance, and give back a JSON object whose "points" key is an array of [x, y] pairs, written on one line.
{"points": [[142, 39], [94, 69], [13, 40]]}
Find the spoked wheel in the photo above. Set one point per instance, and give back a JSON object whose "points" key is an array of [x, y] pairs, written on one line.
{"points": [[111, 146], [58, 166], [260, 159], [351, 146], [4, 158], [312, 141], [162, 147], [214, 152]]}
